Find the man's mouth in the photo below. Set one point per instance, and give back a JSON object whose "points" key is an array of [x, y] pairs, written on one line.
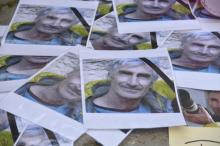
{"points": [[152, 8], [130, 90], [201, 55], [51, 28]]}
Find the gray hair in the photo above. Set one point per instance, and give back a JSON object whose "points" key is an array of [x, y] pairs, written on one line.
{"points": [[198, 36], [131, 62], [45, 12]]}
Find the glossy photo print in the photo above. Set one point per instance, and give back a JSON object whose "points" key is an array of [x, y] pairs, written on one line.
{"points": [[127, 88], [194, 51], [154, 15], [200, 107], [105, 36], [51, 23], [54, 94], [15, 69], [207, 12]]}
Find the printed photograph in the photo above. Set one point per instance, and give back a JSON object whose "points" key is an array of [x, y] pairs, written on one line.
{"points": [[200, 107], [57, 87], [14, 67], [207, 9], [105, 36], [47, 25], [7, 8], [35, 135], [127, 86], [194, 51], [10, 128], [152, 10]]}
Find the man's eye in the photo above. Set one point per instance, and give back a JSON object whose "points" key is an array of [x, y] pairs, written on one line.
{"points": [[51, 17], [214, 47], [144, 76], [124, 73], [67, 21]]}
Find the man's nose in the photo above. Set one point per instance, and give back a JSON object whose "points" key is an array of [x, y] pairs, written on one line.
{"points": [[205, 49], [133, 80], [57, 22]]}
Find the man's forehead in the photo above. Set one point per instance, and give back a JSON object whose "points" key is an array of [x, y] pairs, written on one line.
{"points": [[215, 94], [135, 68], [205, 41]]}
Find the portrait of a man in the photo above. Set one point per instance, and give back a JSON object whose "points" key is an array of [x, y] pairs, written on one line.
{"points": [[60, 94], [108, 38], [198, 52], [51, 26], [128, 90], [148, 10], [21, 67], [115, 41]]}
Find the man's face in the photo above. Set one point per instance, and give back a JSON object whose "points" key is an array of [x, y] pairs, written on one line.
{"points": [[154, 7], [205, 51], [131, 82], [54, 23], [38, 59], [214, 102], [116, 41], [70, 88]]}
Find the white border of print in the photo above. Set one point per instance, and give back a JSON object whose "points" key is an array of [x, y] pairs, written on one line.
{"points": [[42, 116], [17, 50], [201, 81], [151, 26], [118, 120], [53, 49]]}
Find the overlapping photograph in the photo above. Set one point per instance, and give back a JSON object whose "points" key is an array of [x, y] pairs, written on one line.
{"points": [[16, 69], [200, 107], [207, 12], [51, 23], [196, 52], [52, 99], [154, 15], [133, 86], [105, 36]]}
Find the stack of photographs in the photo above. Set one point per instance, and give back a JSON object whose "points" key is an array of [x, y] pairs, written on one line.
{"points": [[101, 68]]}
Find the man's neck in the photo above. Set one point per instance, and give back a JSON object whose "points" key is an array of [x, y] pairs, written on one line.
{"points": [[25, 67], [186, 62], [34, 35], [117, 103], [47, 94]]}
